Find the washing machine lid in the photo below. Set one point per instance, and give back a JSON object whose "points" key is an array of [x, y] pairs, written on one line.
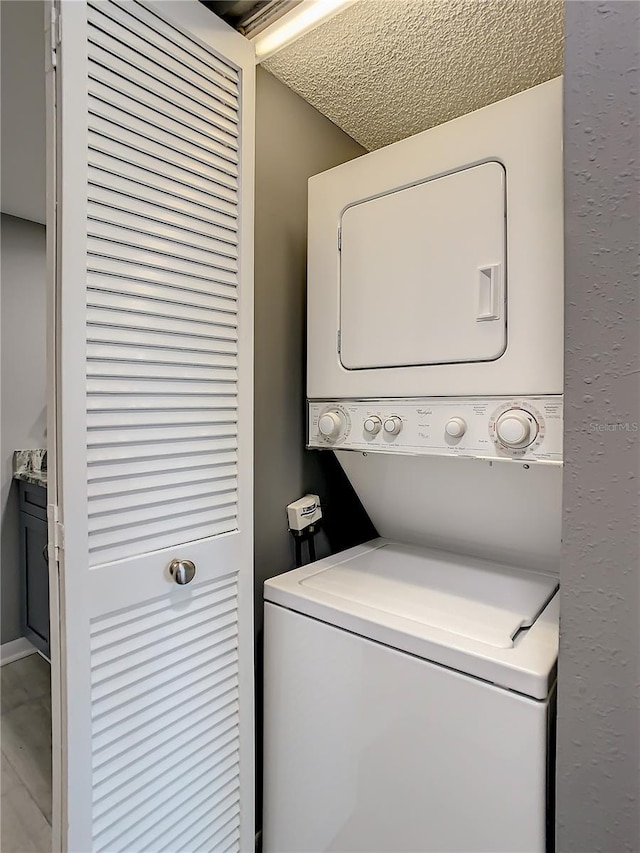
{"points": [[470, 598], [485, 619]]}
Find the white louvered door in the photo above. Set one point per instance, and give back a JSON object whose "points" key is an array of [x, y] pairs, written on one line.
{"points": [[155, 106]]}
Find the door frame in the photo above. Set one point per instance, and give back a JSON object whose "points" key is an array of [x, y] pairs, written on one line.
{"points": [[58, 793]]}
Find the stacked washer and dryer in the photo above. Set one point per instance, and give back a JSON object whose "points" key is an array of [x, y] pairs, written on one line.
{"points": [[410, 681]]}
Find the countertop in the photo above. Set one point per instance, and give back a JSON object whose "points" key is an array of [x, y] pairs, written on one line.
{"points": [[31, 466]]}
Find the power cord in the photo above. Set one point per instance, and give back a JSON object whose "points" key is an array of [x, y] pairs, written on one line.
{"points": [[304, 517], [307, 535]]}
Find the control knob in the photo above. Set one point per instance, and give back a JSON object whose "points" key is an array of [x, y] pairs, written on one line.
{"points": [[514, 428], [393, 425], [331, 424], [456, 427], [373, 425]]}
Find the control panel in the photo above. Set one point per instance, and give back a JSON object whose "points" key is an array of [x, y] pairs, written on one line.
{"points": [[523, 428]]}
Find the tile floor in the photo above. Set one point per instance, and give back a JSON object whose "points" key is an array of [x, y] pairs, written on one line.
{"points": [[25, 743]]}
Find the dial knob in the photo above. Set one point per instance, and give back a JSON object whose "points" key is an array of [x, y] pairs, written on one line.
{"points": [[514, 428], [456, 427], [330, 424], [373, 425], [393, 425]]}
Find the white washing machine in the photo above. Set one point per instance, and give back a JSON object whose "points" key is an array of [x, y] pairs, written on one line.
{"points": [[408, 693]]}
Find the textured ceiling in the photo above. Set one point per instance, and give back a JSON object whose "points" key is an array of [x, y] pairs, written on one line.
{"points": [[383, 70]]}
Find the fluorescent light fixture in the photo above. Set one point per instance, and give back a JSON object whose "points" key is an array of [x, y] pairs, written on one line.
{"points": [[300, 20]]}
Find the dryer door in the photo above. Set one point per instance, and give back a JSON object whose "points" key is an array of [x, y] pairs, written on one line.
{"points": [[423, 273]]}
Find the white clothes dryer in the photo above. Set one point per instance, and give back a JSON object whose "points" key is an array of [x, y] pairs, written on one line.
{"points": [[435, 265]]}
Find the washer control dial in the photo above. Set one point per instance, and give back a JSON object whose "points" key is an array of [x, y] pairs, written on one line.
{"points": [[516, 428], [331, 424], [456, 427], [393, 425], [372, 425]]}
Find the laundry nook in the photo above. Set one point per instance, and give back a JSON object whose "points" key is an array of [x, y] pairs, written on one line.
{"points": [[410, 681], [320, 420]]}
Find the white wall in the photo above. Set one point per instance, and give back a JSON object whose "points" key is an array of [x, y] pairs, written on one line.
{"points": [[22, 301], [23, 109], [23, 387]]}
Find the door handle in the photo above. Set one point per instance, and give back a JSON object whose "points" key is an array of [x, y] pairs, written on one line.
{"points": [[182, 571], [489, 292]]}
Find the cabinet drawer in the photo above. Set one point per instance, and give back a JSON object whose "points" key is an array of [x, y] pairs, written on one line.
{"points": [[35, 581], [33, 499]]}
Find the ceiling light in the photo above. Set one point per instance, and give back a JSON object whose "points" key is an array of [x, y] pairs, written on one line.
{"points": [[300, 20]]}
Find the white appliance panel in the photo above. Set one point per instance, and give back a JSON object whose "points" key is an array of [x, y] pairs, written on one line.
{"points": [[509, 513], [370, 749], [522, 133], [482, 428], [423, 269]]}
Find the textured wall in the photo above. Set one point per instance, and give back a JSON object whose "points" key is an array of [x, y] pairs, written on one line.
{"points": [[599, 670], [24, 395], [383, 70]]}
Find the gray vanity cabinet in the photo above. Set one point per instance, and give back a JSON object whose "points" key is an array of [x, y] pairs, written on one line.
{"points": [[34, 565]]}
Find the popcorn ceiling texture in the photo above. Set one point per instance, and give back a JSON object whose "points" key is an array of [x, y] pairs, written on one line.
{"points": [[383, 70]]}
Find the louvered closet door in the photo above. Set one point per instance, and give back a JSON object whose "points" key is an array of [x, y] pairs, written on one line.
{"points": [[155, 187]]}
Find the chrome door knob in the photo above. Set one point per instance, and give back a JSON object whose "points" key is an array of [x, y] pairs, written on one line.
{"points": [[182, 571]]}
